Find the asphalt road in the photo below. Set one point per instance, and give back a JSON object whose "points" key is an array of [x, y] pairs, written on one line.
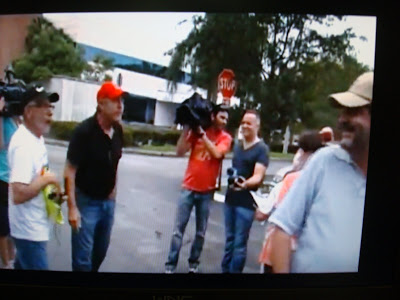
{"points": [[148, 189]]}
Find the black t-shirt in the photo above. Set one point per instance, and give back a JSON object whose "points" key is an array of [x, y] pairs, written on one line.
{"points": [[244, 162], [96, 157]]}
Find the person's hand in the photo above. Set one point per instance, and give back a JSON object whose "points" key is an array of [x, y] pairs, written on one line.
{"points": [[2, 103], [74, 218], [63, 198], [51, 178], [259, 216], [240, 183], [200, 131]]}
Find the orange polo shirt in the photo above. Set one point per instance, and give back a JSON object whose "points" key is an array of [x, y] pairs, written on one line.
{"points": [[202, 170]]}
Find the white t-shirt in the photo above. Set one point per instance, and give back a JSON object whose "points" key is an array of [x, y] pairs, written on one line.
{"points": [[27, 155]]}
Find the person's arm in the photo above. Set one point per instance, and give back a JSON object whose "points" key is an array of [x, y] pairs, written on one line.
{"points": [[183, 144], [256, 179], [281, 251], [24, 192], [74, 217], [260, 167], [76, 154], [216, 151], [291, 214], [260, 216]]}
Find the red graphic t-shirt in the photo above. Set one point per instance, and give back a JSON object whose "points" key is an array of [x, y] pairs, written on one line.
{"points": [[202, 170]]}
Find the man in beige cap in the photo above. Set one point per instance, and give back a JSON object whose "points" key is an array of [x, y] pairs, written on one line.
{"points": [[324, 207]]}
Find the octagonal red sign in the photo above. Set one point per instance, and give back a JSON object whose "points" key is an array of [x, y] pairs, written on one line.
{"points": [[227, 83]]}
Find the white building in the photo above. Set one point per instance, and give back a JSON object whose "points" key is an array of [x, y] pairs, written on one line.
{"points": [[149, 100]]}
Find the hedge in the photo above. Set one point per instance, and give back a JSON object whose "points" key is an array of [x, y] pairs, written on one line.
{"points": [[137, 135], [62, 130], [133, 136]]}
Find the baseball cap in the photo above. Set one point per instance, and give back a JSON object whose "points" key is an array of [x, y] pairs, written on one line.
{"points": [[37, 93], [359, 93], [110, 91]]}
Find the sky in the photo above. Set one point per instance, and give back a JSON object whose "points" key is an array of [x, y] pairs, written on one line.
{"points": [[149, 35]]}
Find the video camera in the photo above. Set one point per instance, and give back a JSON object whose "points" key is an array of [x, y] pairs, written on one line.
{"points": [[194, 111], [13, 94]]}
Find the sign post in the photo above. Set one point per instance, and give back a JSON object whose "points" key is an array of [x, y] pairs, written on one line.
{"points": [[227, 85]]}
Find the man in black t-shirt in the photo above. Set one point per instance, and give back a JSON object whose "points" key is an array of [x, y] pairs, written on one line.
{"points": [[90, 179], [250, 160]]}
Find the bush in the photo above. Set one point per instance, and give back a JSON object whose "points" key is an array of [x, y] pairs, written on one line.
{"points": [[62, 130], [128, 136]]}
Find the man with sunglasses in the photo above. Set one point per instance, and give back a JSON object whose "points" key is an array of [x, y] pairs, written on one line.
{"points": [[27, 158], [90, 179]]}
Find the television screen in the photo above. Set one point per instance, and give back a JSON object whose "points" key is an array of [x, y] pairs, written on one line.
{"points": [[176, 209]]}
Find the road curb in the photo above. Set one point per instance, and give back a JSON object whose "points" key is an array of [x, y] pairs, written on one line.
{"points": [[132, 150]]}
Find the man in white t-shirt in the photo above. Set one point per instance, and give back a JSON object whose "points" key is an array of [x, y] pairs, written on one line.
{"points": [[27, 157]]}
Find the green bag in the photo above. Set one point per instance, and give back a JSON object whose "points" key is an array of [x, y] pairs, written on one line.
{"points": [[53, 204]]}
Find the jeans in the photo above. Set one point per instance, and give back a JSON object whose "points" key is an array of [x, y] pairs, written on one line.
{"points": [[30, 255], [238, 222], [201, 202], [90, 243]]}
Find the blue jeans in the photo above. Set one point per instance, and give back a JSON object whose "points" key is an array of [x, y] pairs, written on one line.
{"points": [[238, 222], [30, 255], [201, 202], [90, 243]]}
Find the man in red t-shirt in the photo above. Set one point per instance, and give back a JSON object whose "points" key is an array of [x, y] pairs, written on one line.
{"points": [[208, 148]]}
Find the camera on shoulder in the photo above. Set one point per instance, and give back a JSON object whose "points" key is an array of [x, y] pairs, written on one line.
{"points": [[195, 111], [13, 91]]}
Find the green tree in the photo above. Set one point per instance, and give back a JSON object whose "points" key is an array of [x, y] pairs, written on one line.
{"points": [[220, 41], [48, 51], [320, 79], [266, 52]]}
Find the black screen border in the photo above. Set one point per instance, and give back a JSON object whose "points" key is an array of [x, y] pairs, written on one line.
{"points": [[379, 252]]}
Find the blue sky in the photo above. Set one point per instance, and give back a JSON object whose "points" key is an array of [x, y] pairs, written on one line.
{"points": [[149, 35]]}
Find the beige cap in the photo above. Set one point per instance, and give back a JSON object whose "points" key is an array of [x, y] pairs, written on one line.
{"points": [[359, 94]]}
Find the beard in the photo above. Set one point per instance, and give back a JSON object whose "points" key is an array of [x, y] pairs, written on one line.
{"points": [[355, 138]]}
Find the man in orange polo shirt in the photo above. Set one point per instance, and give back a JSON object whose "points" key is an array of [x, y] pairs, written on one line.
{"points": [[208, 148]]}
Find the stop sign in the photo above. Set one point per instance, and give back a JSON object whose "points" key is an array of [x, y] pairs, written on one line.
{"points": [[227, 84]]}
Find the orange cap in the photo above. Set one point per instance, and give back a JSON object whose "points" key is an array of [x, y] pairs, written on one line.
{"points": [[110, 91]]}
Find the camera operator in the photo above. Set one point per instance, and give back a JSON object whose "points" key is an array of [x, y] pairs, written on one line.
{"points": [[8, 125], [208, 148], [250, 160]]}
